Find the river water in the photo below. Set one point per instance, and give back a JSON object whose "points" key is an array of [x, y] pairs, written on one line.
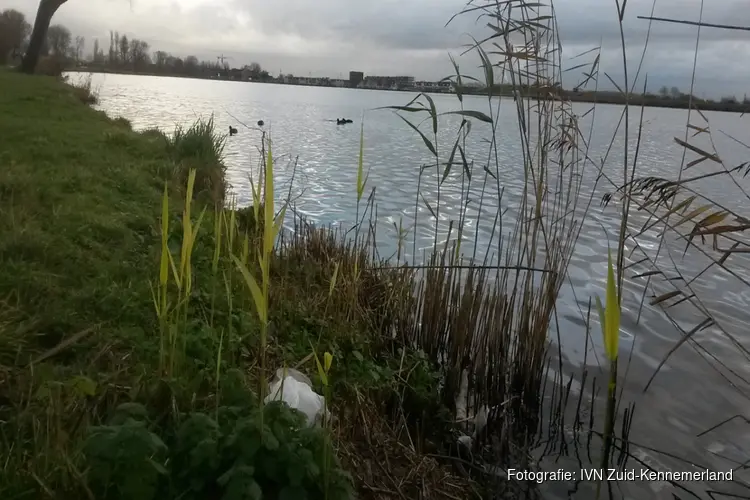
{"points": [[702, 383]]}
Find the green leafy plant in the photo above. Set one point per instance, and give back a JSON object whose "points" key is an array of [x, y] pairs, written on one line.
{"points": [[271, 227], [249, 452], [126, 460], [323, 370], [609, 317]]}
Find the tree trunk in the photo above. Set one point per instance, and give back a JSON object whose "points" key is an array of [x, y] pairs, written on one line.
{"points": [[47, 9]]}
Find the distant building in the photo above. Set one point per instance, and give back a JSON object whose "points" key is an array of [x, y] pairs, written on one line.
{"points": [[388, 82], [355, 78], [443, 86]]}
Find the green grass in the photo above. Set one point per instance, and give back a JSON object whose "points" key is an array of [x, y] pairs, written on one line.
{"points": [[79, 195]]}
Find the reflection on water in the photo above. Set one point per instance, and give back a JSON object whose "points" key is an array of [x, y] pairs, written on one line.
{"points": [[690, 394]]}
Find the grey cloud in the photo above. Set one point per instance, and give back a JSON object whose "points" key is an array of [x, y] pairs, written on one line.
{"points": [[390, 24], [671, 47], [409, 36], [592, 21]]}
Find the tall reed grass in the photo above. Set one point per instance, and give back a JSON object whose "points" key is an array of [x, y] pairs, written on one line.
{"points": [[701, 240], [491, 320], [691, 226]]}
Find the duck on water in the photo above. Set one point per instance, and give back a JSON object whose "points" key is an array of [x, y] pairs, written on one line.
{"points": [[342, 121], [233, 131]]}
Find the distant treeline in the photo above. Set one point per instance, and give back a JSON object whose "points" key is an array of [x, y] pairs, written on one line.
{"points": [[663, 101], [133, 55], [666, 98], [122, 55]]}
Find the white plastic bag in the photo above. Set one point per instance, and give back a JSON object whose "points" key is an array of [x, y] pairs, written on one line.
{"points": [[296, 391]]}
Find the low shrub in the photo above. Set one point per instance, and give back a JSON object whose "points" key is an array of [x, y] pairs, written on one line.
{"points": [[201, 148], [240, 452], [50, 66]]}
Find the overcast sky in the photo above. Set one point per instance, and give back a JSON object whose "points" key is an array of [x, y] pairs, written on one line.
{"points": [[332, 37]]}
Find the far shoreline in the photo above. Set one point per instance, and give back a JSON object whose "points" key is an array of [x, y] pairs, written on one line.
{"points": [[593, 97]]}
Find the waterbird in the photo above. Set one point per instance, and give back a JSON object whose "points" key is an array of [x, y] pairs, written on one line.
{"points": [[232, 130], [260, 123]]}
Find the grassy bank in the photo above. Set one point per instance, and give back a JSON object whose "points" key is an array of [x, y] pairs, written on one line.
{"points": [[113, 367]]}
